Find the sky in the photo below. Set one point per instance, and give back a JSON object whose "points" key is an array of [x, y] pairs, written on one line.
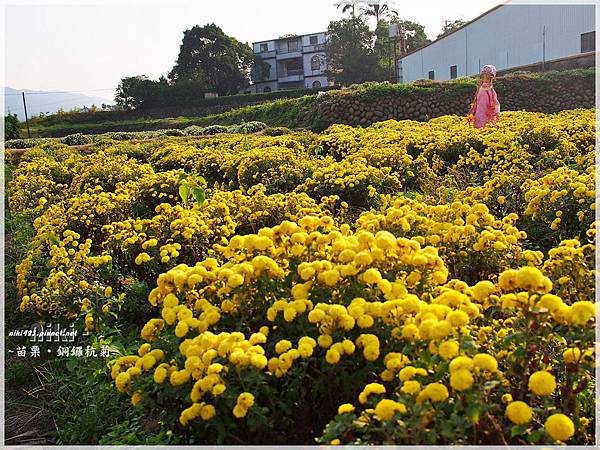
{"points": [[88, 46]]}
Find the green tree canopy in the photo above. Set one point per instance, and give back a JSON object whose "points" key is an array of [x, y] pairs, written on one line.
{"points": [[261, 70], [415, 34], [379, 10], [207, 54], [451, 26], [349, 49], [139, 92], [384, 47], [349, 6], [12, 127], [384, 51]]}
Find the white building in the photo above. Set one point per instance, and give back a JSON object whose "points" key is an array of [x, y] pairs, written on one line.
{"points": [[509, 36], [295, 62]]}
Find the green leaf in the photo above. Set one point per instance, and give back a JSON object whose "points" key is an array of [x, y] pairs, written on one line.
{"points": [[535, 436], [516, 430], [72, 364], [199, 194], [511, 337], [182, 176], [447, 430], [474, 412], [53, 238], [184, 192]]}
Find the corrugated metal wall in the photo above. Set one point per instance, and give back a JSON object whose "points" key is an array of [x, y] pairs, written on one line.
{"points": [[510, 36]]}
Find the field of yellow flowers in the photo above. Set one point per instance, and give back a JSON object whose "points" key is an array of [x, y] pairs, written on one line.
{"points": [[405, 283]]}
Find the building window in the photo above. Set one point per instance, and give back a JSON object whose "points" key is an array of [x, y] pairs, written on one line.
{"points": [[452, 72], [316, 84], [292, 46], [431, 75], [293, 67], [313, 40], [267, 89], [264, 48], [315, 63], [588, 42]]}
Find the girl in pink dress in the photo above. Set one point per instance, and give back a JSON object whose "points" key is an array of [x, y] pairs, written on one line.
{"points": [[486, 107]]}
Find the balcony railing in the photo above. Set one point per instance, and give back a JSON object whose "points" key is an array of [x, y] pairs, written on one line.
{"points": [[313, 48], [269, 54], [283, 50], [292, 72], [286, 54], [291, 76]]}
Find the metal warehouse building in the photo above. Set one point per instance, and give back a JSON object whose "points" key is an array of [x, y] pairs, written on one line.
{"points": [[509, 36]]}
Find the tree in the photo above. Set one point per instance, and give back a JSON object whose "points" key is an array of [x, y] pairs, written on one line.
{"points": [[414, 34], [379, 11], [140, 92], [12, 127], [349, 50], [414, 37], [219, 61], [261, 70], [349, 5], [384, 51], [128, 90], [451, 26]]}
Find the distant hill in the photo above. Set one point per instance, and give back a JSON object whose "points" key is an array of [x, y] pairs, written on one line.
{"points": [[47, 101]]}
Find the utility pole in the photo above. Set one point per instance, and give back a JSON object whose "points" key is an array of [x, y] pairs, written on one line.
{"points": [[395, 62], [393, 37], [26, 118], [544, 49], [389, 62]]}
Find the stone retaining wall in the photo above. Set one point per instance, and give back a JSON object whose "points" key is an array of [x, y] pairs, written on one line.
{"points": [[548, 92]]}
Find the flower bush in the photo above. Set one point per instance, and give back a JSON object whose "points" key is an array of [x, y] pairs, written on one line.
{"points": [[404, 283]]}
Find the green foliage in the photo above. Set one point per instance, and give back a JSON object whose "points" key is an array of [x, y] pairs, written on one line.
{"points": [[416, 37], [134, 432], [193, 130], [194, 185], [371, 92], [75, 139], [384, 52], [277, 131], [26, 143], [12, 127], [296, 109], [139, 92], [450, 27], [380, 11], [249, 127], [350, 55], [105, 139], [261, 70], [83, 401], [214, 129], [292, 113], [88, 410], [218, 61]]}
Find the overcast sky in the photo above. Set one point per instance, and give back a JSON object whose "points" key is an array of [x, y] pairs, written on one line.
{"points": [[90, 45]]}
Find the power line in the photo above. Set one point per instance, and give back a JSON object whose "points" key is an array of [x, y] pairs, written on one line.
{"points": [[63, 92]]}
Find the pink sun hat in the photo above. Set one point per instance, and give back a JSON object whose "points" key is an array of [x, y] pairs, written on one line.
{"points": [[489, 69]]}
